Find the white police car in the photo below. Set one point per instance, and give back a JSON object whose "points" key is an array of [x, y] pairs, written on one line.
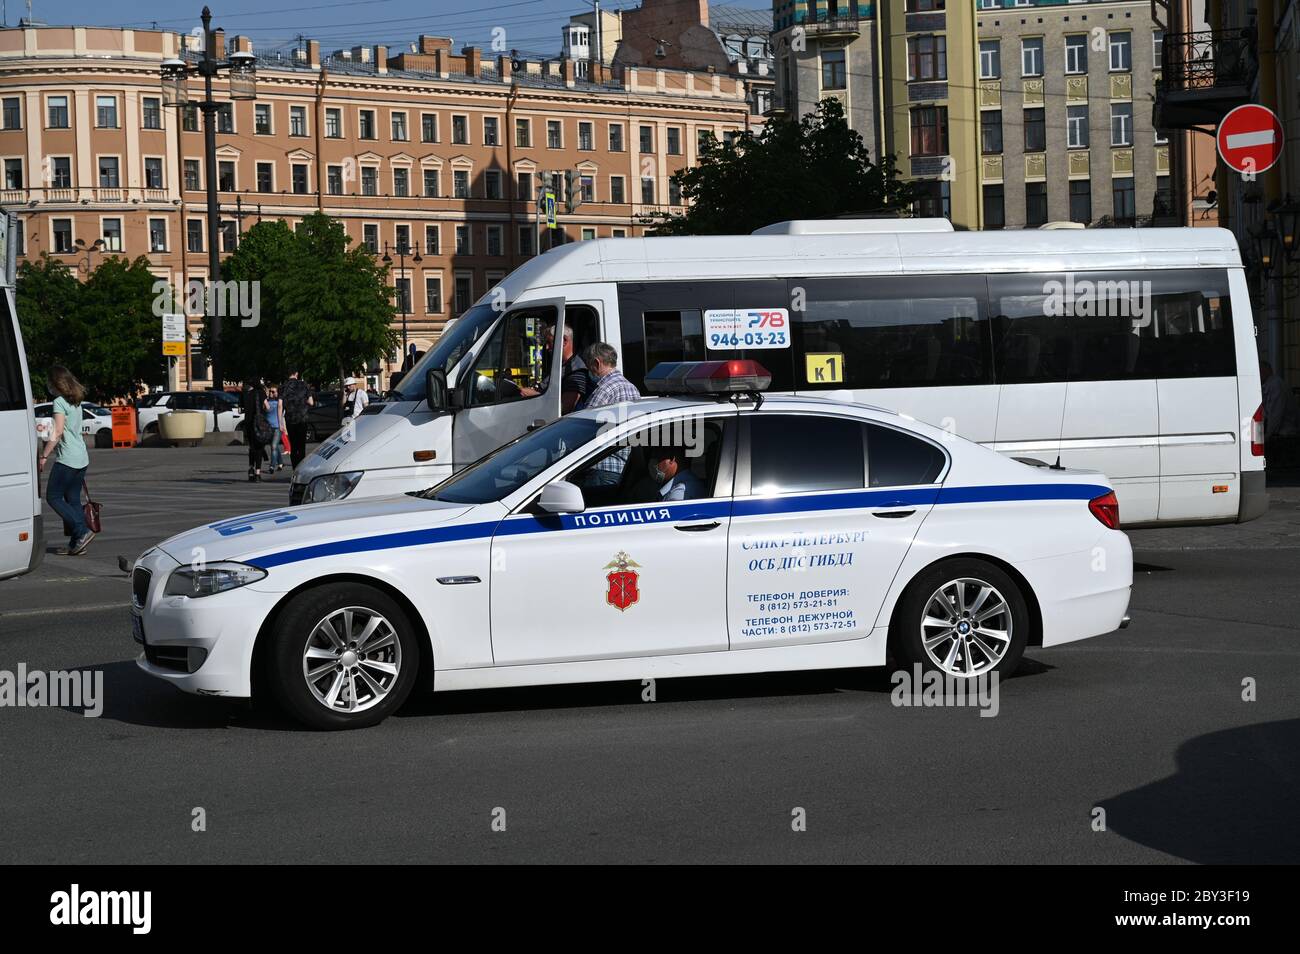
{"points": [[673, 536]]}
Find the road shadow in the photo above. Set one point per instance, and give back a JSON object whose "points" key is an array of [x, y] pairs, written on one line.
{"points": [[1231, 801]]}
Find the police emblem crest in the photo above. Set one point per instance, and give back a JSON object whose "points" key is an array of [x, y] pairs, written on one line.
{"points": [[623, 590]]}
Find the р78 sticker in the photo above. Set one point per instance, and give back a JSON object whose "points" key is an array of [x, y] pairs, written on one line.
{"points": [[726, 329]]}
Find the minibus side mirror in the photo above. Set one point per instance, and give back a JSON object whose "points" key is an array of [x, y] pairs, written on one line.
{"points": [[562, 497], [435, 386]]}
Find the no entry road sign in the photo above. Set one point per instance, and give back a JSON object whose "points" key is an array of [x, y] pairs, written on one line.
{"points": [[1250, 139]]}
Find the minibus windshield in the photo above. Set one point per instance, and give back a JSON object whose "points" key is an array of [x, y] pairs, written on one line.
{"points": [[451, 347]]}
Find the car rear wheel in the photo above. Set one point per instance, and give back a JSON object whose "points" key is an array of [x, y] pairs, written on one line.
{"points": [[345, 657], [963, 618]]}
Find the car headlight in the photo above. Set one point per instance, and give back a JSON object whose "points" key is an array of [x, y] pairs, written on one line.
{"points": [[214, 578], [332, 486]]}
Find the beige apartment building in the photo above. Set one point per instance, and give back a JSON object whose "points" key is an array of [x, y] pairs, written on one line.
{"points": [[438, 153]]}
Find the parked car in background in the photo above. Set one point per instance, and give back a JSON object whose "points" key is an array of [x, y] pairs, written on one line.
{"points": [[223, 409], [327, 416], [96, 422]]}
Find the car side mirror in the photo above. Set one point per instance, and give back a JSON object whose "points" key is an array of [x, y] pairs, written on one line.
{"points": [[435, 386], [562, 497]]}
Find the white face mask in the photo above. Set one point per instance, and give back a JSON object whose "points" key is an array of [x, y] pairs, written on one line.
{"points": [[655, 475]]}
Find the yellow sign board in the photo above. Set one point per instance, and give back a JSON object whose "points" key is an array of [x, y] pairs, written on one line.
{"points": [[824, 368], [174, 348]]}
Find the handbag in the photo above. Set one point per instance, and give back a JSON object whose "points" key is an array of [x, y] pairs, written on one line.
{"points": [[90, 510], [284, 441]]}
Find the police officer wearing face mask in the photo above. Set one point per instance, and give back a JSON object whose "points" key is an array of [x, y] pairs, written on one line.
{"points": [[670, 470]]}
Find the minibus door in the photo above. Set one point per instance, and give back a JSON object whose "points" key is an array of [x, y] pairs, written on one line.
{"points": [[512, 384]]}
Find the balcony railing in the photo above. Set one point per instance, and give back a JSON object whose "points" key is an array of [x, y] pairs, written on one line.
{"points": [[1203, 76], [832, 23]]}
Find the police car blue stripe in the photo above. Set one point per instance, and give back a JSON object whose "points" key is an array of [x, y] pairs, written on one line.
{"points": [[687, 511]]}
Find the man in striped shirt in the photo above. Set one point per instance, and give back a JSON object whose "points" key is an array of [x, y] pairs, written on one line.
{"points": [[611, 388]]}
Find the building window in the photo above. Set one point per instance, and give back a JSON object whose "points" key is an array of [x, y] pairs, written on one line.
{"points": [[1121, 52], [397, 127], [991, 131], [524, 187], [226, 118], [1076, 127], [430, 183], [990, 59], [674, 192], [523, 133], [370, 237], [428, 127], [334, 180], [1035, 203], [402, 239], [1164, 201], [62, 229], [494, 240], [617, 191], [192, 175], [462, 240], [402, 287], [151, 112], [262, 119], [492, 184], [615, 137], [460, 184], [995, 211], [14, 174], [586, 137], [553, 134], [334, 124], [1076, 53], [432, 294], [265, 177], [647, 190], [460, 130], [674, 141], [927, 57], [1121, 124], [588, 235], [157, 235], [369, 180], [106, 112], [931, 200], [61, 172], [190, 118], [401, 183], [108, 173], [366, 125], [930, 131], [464, 292], [297, 120], [647, 135], [834, 69], [618, 233], [1035, 130], [1157, 47], [299, 170], [1031, 57], [491, 131], [225, 176], [112, 229], [1080, 201], [526, 236], [194, 235], [56, 112], [432, 240], [924, 6], [153, 173], [1124, 200]]}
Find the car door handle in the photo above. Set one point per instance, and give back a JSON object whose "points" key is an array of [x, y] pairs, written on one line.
{"points": [[697, 527], [892, 514], [536, 424]]}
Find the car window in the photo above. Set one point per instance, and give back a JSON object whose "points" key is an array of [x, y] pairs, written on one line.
{"points": [[895, 459], [508, 468], [804, 452], [512, 359], [622, 473]]}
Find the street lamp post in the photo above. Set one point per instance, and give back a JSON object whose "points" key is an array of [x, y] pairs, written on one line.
{"points": [[95, 246], [402, 249], [242, 69]]}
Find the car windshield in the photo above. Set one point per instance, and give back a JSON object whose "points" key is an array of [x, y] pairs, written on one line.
{"points": [[508, 468], [451, 347]]}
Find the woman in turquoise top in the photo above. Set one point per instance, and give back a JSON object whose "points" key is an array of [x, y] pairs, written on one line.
{"points": [[71, 461]]}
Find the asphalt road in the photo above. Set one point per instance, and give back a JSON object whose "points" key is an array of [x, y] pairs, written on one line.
{"points": [[1148, 724]]}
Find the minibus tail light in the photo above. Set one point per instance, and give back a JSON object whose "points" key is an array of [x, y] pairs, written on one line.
{"points": [[1106, 509], [1257, 433], [738, 375]]}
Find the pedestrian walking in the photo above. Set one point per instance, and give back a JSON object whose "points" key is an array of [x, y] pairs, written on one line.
{"points": [[275, 421], [296, 398], [256, 432], [67, 448]]}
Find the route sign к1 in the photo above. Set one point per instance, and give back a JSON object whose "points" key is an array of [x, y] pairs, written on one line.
{"points": [[1250, 139]]}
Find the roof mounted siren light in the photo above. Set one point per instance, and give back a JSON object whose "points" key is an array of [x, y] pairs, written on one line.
{"points": [[729, 380]]}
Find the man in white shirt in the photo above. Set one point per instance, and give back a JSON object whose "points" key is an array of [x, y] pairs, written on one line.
{"points": [[356, 400]]}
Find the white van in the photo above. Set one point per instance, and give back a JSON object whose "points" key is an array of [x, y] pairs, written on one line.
{"points": [[1128, 351], [22, 541]]}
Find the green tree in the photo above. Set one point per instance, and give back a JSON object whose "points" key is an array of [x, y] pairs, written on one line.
{"points": [[46, 293], [815, 167], [122, 349], [266, 254]]}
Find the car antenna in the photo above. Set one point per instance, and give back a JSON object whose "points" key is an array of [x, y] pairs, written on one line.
{"points": [[1065, 402]]}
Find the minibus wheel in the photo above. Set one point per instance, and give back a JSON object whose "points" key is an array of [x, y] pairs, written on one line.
{"points": [[344, 656], [964, 618]]}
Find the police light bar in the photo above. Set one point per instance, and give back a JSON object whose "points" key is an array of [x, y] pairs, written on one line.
{"points": [[708, 377]]}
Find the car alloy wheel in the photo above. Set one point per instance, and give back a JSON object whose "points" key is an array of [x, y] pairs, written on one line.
{"points": [[352, 659], [966, 627]]}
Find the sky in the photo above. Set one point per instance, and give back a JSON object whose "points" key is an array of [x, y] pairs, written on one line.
{"points": [[531, 26]]}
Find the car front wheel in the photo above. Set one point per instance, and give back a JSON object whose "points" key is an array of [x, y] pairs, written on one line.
{"points": [[345, 656], [964, 618]]}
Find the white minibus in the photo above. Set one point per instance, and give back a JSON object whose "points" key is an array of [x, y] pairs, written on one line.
{"points": [[1127, 351], [21, 528]]}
